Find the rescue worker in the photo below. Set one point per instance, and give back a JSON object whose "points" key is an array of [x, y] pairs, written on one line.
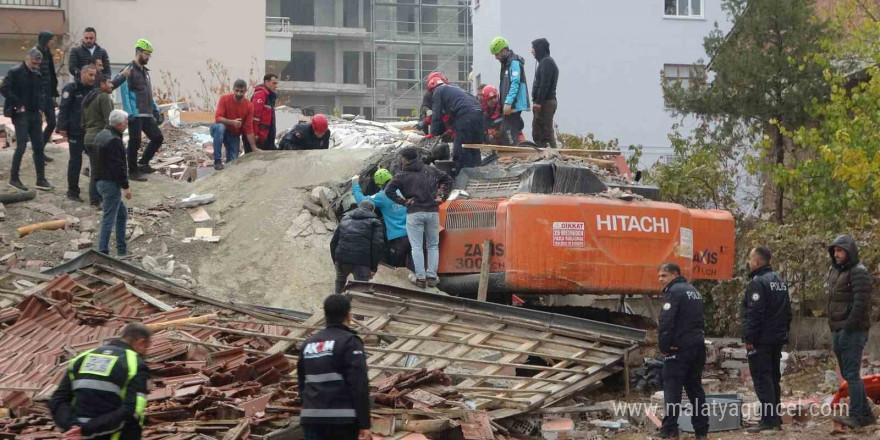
{"points": [[467, 121], [398, 247], [70, 125], [849, 316], [357, 244], [264, 113], [513, 90], [492, 114], [332, 375], [314, 135], [144, 115], [425, 110], [683, 347], [766, 319], [544, 94], [104, 393]]}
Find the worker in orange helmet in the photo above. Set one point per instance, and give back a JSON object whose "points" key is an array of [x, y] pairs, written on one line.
{"points": [[314, 135]]}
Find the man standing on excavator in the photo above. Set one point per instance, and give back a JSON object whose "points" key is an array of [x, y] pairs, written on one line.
{"points": [[513, 88]]}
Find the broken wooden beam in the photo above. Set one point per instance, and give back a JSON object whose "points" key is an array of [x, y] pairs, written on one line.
{"points": [[44, 226]]}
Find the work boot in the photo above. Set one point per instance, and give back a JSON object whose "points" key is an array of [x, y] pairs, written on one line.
{"points": [[855, 422], [145, 168], [74, 197], [764, 426], [44, 184], [668, 434], [421, 284], [137, 176], [432, 282], [16, 182], [699, 435], [218, 165]]}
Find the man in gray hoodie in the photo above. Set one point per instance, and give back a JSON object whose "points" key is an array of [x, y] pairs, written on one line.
{"points": [[849, 313]]}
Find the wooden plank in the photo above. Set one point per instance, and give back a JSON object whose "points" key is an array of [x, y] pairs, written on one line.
{"points": [[463, 349], [506, 359], [29, 274], [569, 151], [407, 344], [283, 346], [147, 298], [483, 289]]}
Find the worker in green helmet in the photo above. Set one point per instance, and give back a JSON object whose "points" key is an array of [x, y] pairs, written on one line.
{"points": [[144, 115], [398, 246], [513, 90], [103, 394]]}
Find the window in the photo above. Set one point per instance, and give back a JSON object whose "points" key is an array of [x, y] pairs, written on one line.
{"points": [[300, 12], [368, 113], [301, 67], [406, 69], [429, 17], [351, 66], [350, 13], [683, 8], [683, 74], [368, 15], [429, 64], [351, 110], [406, 17], [368, 69]]}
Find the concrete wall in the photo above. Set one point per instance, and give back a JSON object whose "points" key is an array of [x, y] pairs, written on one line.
{"points": [[184, 34], [610, 55]]}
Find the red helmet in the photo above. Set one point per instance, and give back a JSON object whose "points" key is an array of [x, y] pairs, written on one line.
{"points": [[440, 75], [434, 82], [489, 92], [319, 124]]}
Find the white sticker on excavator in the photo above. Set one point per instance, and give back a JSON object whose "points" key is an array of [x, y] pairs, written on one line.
{"points": [[568, 234], [686, 246]]}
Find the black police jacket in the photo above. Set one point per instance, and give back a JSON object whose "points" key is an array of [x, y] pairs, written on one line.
{"points": [[101, 394], [332, 375], [302, 137], [766, 309], [681, 317], [70, 110]]}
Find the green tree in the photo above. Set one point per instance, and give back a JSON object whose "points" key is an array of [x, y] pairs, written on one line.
{"points": [[763, 73]]}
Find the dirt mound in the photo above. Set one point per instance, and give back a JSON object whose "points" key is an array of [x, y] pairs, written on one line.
{"points": [[259, 260]]}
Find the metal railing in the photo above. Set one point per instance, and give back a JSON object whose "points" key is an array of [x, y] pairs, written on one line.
{"points": [[273, 24], [43, 3]]}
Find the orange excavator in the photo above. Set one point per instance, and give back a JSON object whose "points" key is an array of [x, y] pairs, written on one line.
{"points": [[543, 239]]}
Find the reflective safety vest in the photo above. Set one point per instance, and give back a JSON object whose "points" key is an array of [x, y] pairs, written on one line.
{"points": [[93, 371]]}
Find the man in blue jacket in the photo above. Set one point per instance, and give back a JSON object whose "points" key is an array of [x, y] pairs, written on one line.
{"points": [[513, 90], [398, 246]]}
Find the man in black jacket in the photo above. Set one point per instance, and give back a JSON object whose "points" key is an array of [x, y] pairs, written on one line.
{"points": [[88, 50], [766, 318], [682, 344], [23, 90], [544, 94], [332, 375], [849, 316], [104, 393], [467, 117], [46, 45], [70, 124], [357, 245], [313, 135], [423, 188], [112, 181]]}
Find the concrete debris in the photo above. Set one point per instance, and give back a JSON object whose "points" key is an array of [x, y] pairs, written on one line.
{"points": [[152, 265], [137, 233], [318, 226], [199, 215], [196, 200], [316, 194]]}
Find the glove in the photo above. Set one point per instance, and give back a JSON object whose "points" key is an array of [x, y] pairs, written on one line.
{"points": [[508, 109], [429, 136], [355, 179]]}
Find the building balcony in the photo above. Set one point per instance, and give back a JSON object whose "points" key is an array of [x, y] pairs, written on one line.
{"points": [[322, 88], [29, 17], [280, 27]]}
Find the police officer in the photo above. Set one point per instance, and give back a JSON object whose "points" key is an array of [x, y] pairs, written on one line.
{"points": [[70, 124], [682, 345], [766, 312], [332, 374], [104, 393]]}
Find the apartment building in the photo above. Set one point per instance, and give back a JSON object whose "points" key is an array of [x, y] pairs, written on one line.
{"points": [[365, 57], [612, 57]]}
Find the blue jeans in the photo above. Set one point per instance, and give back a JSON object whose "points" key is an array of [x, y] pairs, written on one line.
{"points": [[222, 137], [423, 229], [115, 213], [848, 348]]}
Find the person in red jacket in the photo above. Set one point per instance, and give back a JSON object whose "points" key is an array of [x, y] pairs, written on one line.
{"points": [[234, 120], [264, 113]]}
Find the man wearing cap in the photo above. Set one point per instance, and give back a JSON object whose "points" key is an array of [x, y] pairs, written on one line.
{"points": [[312, 135], [144, 116], [513, 90], [357, 245], [393, 214]]}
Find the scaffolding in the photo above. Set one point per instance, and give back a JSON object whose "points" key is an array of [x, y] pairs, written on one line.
{"points": [[411, 38]]}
